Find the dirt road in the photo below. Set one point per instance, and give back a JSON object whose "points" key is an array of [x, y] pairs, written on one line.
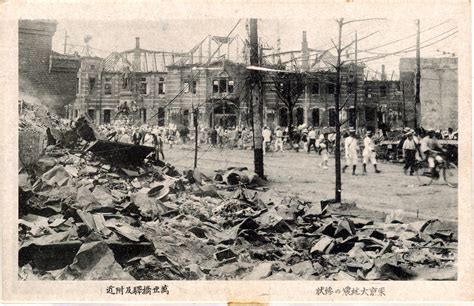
{"points": [[299, 173]]}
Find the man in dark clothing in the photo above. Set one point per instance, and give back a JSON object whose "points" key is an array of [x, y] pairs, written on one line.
{"points": [[158, 139], [136, 137], [213, 137], [409, 153]]}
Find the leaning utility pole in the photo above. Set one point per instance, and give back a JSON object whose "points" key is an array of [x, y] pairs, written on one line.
{"points": [[337, 152], [256, 103], [356, 124], [418, 75]]}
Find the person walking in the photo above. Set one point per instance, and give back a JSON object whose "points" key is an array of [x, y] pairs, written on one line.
{"points": [[124, 137], [159, 145], [409, 153], [429, 147], [323, 151], [369, 155], [267, 138], [149, 140], [136, 137], [279, 140], [171, 137], [351, 149], [312, 139], [220, 136], [213, 137]]}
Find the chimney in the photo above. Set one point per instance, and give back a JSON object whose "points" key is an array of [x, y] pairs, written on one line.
{"points": [[137, 56], [305, 53], [383, 76]]}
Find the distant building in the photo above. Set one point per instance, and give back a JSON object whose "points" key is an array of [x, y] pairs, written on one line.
{"points": [[44, 75], [161, 88], [438, 91], [106, 86], [382, 105], [219, 90]]}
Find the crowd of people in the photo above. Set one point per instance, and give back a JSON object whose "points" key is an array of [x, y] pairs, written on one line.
{"points": [[418, 144], [424, 145]]}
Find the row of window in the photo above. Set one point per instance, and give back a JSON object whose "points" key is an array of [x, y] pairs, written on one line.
{"points": [[143, 86], [315, 116], [330, 89], [219, 86]]}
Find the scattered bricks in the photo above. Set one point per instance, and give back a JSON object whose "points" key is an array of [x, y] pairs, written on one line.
{"points": [[225, 255]]}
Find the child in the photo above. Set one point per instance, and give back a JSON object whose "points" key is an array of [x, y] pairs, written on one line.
{"points": [[323, 151]]}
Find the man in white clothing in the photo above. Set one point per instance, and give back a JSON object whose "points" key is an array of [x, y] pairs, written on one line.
{"points": [[351, 149], [279, 140], [267, 138], [369, 155], [312, 139]]}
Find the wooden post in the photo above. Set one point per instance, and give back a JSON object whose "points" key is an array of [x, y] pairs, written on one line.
{"points": [[417, 76], [195, 121], [257, 105], [338, 127], [356, 124]]}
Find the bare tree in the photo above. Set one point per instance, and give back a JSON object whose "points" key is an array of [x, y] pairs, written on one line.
{"points": [[289, 87]]}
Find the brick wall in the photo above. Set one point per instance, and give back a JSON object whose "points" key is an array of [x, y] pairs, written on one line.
{"points": [[38, 78], [438, 91]]}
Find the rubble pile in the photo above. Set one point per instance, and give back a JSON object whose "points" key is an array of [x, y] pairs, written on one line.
{"points": [[86, 214], [34, 121], [82, 217]]}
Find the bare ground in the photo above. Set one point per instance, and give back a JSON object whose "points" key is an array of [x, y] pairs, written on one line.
{"points": [[374, 194]]}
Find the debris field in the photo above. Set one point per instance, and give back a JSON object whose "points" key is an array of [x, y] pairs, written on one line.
{"points": [[94, 210]]}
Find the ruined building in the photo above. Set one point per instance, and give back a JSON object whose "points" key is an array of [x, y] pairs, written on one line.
{"points": [[45, 76], [438, 91], [161, 88]]}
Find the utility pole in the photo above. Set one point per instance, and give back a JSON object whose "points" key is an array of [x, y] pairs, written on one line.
{"points": [[356, 124], [65, 41], [417, 75], [195, 111], [337, 153], [256, 103], [195, 122], [404, 108], [337, 150]]}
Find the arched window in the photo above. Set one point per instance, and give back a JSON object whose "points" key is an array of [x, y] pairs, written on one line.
{"points": [[283, 117], [332, 117], [315, 116], [223, 84], [299, 116]]}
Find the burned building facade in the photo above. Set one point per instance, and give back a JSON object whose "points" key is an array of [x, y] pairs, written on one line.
{"points": [[218, 90], [162, 88], [44, 75], [116, 87], [438, 107], [159, 88]]}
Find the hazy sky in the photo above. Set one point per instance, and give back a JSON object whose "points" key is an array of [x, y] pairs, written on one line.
{"points": [[182, 35]]}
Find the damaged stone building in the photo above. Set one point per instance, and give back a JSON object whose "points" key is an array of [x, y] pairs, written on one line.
{"points": [[438, 107], [161, 88], [111, 87], [45, 76]]}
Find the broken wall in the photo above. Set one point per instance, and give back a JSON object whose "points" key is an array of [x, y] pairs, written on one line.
{"points": [[38, 78]]}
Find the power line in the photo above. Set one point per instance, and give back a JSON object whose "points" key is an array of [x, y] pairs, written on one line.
{"points": [[368, 59], [403, 38], [318, 52], [441, 34]]}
